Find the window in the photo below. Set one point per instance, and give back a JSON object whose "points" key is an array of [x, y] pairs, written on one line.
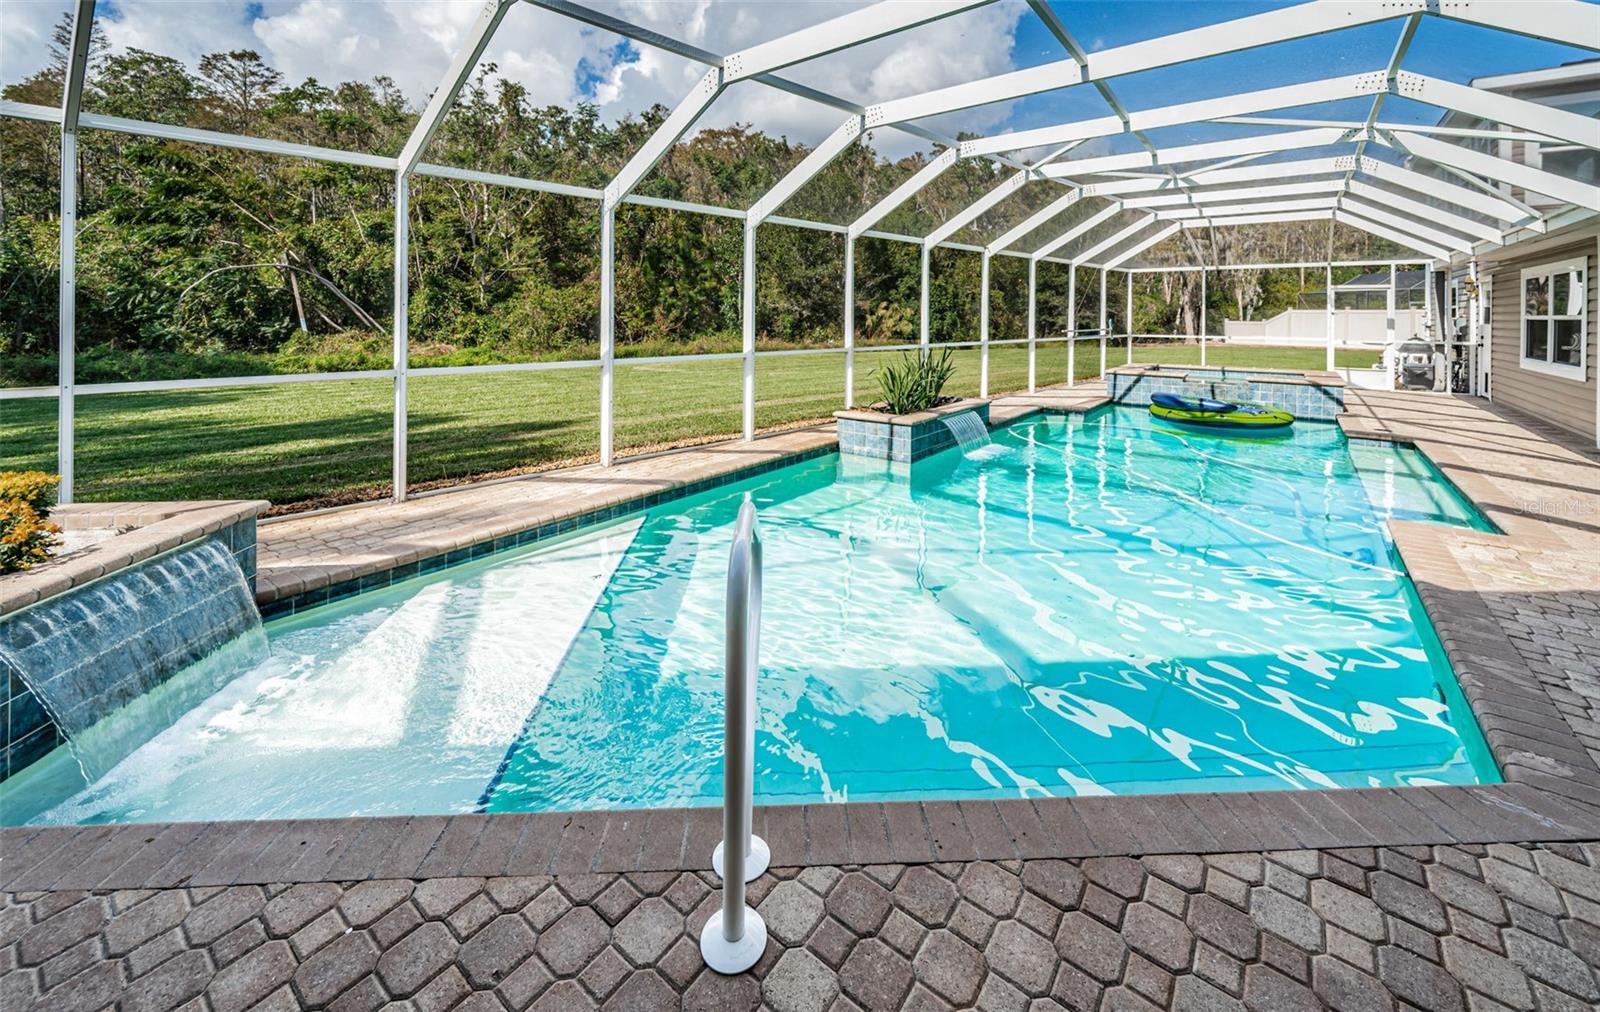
{"points": [[1554, 318]]}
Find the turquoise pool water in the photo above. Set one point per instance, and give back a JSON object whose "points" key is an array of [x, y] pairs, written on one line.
{"points": [[1089, 605]]}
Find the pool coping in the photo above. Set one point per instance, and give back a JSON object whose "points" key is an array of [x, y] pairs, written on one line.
{"points": [[1551, 790], [273, 603], [143, 530]]}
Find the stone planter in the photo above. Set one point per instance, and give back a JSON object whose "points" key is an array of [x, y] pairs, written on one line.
{"points": [[904, 438]]}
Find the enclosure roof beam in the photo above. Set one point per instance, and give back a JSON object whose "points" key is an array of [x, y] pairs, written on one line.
{"points": [[1219, 174], [1425, 212], [1256, 219], [1331, 89], [1442, 189], [813, 163], [1142, 245], [667, 134], [970, 213], [1250, 32], [838, 33], [1497, 108], [629, 30], [1116, 239], [1498, 169], [904, 192], [1569, 22], [1408, 34], [1421, 230], [444, 96], [1282, 141], [77, 65], [1075, 231], [1328, 187], [1433, 131], [1036, 219], [1348, 217], [1324, 203]]}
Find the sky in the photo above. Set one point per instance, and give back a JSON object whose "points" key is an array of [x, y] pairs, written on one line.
{"points": [[562, 62]]}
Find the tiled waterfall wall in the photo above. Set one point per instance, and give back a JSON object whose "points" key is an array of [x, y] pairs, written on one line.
{"points": [[1302, 397], [27, 732]]}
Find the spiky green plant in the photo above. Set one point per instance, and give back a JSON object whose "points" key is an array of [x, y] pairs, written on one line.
{"points": [[916, 382]]}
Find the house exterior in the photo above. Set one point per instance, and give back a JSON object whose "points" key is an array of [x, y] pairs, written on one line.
{"points": [[1538, 291], [1541, 310]]}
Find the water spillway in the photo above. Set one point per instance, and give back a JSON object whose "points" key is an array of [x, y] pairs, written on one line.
{"points": [[969, 430], [100, 659]]}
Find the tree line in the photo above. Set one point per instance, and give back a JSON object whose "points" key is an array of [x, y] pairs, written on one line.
{"points": [[202, 260]]}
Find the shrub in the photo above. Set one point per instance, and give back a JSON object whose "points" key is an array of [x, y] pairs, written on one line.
{"points": [[26, 537], [916, 382]]}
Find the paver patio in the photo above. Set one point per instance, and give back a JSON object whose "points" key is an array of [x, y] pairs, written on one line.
{"points": [[1480, 898]]}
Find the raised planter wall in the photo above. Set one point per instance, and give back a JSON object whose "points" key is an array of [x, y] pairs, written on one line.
{"points": [[1314, 396], [904, 438]]}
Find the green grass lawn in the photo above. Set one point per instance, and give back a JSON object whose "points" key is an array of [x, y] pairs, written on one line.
{"points": [[319, 442]]}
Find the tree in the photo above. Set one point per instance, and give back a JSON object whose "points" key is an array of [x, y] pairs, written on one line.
{"points": [[242, 84]]}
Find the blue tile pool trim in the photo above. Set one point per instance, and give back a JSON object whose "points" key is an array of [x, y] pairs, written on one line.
{"points": [[886, 440], [1305, 399], [376, 581]]}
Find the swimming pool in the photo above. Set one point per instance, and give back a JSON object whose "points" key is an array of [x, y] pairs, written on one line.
{"points": [[1089, 605]]}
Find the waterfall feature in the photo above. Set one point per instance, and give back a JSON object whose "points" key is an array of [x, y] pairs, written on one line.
{"points": [[970, 432], [117, 661]]}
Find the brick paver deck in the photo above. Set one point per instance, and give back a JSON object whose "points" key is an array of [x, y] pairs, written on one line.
{"points": [[1437, 928], [1383, 899]]}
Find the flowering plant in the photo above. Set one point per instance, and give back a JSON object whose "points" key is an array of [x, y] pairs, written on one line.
{"points": [[27, 537]]}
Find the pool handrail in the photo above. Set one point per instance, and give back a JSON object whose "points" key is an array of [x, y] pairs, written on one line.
{"points": [[732, 941]]}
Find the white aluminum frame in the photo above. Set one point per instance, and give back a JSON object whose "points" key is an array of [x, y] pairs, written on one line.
{"points": [[1585, 195], [1181, 187]]}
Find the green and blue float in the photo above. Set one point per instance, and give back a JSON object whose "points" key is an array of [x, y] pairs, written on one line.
{"points": [[1218, 414]]}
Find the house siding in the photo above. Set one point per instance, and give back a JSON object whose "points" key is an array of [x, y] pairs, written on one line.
{"points": [[1564, 402]]}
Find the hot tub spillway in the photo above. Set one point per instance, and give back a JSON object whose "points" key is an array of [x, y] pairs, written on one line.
{"points": [[116, 662]]}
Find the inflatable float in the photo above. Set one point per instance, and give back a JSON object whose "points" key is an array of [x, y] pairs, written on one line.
{"points": [[1217, 414]]}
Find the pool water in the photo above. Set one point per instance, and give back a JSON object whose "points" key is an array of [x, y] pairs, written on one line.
{"points": [[1093, 604]]}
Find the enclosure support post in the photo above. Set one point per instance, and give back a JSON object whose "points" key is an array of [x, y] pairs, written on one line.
{"points": [[1202, 317], [1072, 324], [1329, 289], [1127, 323], [1389, 328], [849, 322], [66, 336], [67, 287], [1033, 312], [1474, 319], [402, 330], [922, 305], [983, 325], [608, 324], [1102, 323], [749, 317]]}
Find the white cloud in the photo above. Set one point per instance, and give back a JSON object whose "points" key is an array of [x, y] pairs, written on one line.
{"points": [[412, 42], [25, 37]]}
